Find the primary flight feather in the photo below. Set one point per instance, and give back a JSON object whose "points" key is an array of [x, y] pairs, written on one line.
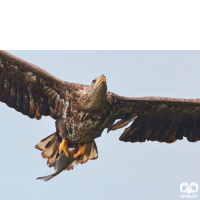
{"points": [[82, 112]]}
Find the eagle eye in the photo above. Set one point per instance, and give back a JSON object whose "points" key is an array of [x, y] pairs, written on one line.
{"points": [[94, 81]]}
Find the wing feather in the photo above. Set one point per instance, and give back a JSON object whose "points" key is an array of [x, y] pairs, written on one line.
{"points": [[157, 118], [31, 90]]}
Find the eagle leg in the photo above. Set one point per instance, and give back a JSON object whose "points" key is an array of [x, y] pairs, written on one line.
{"points": [[64, 147], [81, 151]]}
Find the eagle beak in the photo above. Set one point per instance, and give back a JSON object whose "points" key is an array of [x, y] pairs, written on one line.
{"points": [[101, 79]]}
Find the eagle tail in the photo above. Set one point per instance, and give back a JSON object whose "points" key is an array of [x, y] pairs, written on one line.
{"points": [[49, 147], [50, 150]]}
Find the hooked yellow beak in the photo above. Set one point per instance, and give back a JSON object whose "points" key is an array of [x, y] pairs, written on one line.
{"points": [[100, 80]]}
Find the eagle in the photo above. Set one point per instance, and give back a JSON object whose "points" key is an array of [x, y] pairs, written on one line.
{"points": [[82, 112]]}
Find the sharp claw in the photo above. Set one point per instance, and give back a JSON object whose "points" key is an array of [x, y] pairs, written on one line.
{"points": [[81, 151], [63, 147], [66, 152], [77, 155]]}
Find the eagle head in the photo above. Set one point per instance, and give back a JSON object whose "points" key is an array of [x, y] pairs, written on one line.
{"points": [[96, 93]]}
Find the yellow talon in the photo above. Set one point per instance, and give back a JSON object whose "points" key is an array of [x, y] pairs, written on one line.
{"points": [[81, 151], [63, 147]]}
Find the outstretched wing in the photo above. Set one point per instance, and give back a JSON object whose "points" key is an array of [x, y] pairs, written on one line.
{"points": [[155, 118], [31, 90]]}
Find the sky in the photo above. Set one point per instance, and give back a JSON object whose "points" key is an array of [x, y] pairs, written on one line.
{"points": [[141, 171]]}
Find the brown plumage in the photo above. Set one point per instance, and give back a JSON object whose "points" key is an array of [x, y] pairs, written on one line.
{"points": [[82, 112]]}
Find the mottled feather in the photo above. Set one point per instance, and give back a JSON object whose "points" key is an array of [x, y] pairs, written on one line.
{"points": [[82, 112]]}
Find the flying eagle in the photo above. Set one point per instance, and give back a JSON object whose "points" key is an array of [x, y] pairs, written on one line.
{"points": [[82, 112]]}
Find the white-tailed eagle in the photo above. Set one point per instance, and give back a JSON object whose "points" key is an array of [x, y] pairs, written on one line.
{"points": [[82, 112]]}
